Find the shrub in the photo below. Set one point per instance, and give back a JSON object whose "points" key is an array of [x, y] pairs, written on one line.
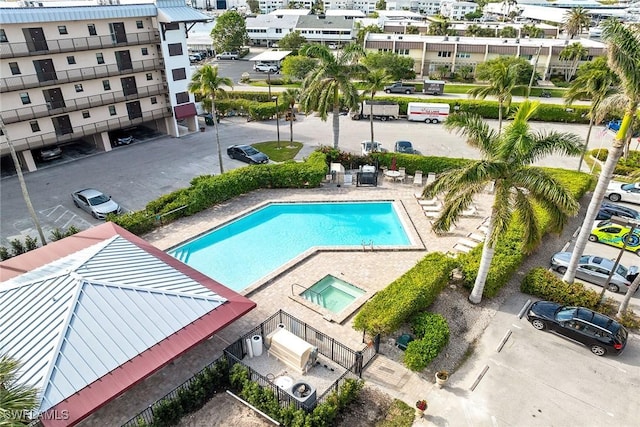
{"points": [[544, 284], [432, 333], [167, 412], [406, 296], [626, 165]]}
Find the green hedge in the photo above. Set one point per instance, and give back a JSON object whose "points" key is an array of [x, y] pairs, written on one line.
{"points": [[508, 252], [407, 296], [432, 335], [209, 190], [544, 284], [626, 165]]}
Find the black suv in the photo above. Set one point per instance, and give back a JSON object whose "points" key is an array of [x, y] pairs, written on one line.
{"points": [[600, 333], [607, 210]]}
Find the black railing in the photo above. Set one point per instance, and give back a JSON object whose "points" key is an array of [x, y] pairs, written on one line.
{"points": [[76, 44], [45, 110], [9, 84]]}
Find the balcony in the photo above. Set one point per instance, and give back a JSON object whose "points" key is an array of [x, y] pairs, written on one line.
{"points": [[38, 141], [16, 50], [20, 82], [44, 110]]}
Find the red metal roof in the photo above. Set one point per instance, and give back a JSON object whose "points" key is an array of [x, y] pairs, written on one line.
{"points": [[184, 111], [89, 399]]}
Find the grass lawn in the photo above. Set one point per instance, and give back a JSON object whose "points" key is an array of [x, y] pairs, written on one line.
{"points": [[287, 150]]}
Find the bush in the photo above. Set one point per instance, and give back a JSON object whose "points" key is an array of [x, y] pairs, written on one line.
{"points": [[544, 284], [625, 166], [432, 335], [406, 296]]}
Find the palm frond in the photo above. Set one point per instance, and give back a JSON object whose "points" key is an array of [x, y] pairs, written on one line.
{"points": [[475, 129], [526, 213]]}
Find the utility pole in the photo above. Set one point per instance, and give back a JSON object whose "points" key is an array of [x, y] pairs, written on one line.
{"points": [[23, 185]]}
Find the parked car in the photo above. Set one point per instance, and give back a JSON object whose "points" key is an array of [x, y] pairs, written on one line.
{"points": [[265, 68], [247, 154], [193, 58], [607, 210], [367, 147], [600, 333], [595, 269], [228, 55], [123, 140], [404, 147], [49, 153], [615, 235], [95, 202], [618, 191]]}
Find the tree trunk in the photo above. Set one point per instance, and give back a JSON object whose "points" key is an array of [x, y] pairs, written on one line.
{"points": [[500, 117], [488, 251], [625, 302], [586, 143], [371, 122], [215, 126], [336, 118], [291, 125], [598, 195]]}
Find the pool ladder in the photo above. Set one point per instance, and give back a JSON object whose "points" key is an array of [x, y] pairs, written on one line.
{"points": [[365, 244], [309, 295]]}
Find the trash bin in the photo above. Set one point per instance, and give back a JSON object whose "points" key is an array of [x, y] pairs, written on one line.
{"points": [[201, 128], [208, 119]]}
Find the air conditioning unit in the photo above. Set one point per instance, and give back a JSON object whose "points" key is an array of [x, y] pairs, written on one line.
{"points": [[304, 393]]}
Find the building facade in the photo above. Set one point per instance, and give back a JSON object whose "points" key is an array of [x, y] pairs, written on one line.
{"points": [[70, 73], [435, 53]]}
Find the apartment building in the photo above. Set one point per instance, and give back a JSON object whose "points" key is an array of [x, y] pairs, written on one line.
{"points": [[264, 30], [460, 28], [82, 72], [431, 53]]}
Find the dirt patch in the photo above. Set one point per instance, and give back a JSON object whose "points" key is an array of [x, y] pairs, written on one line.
{"points": [[371, 406]]}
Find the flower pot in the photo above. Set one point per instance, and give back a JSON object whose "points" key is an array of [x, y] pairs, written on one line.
{"points": [[441, 379], [419, 413]]}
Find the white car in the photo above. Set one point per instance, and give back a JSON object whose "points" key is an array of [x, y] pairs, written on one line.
{"points": [[265, 68], [367, 147], [621, 192]]}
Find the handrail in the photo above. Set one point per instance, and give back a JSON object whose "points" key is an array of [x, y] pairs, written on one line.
{"points": [[317, 294]]}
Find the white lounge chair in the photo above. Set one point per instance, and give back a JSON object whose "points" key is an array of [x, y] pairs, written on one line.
{"points": [[462, 248], [417, 178], [477, 237], [431, 177], [432, 208], [470, 211], [429, 202]]}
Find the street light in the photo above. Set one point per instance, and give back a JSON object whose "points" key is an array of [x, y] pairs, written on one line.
{"points": [[275, 98], [625, 222]]}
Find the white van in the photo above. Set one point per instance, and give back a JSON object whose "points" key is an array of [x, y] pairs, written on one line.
{"points": [[428, 113]]}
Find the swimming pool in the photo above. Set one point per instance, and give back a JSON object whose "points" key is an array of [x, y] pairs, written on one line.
{"points": [[332, 293], [249, 248]]}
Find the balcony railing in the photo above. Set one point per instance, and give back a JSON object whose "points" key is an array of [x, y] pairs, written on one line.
{"points": [[44, 110], [15, 50], [9, 84], [38, 141]]}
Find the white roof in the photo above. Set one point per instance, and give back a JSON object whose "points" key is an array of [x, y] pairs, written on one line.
{"points": [[271, 55], [272, 21], [72, 321], [296, 12], [344, 12]]}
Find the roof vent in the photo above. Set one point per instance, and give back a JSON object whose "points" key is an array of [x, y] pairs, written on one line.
{"points": [[457, 38], [505, 40], [517, 41], [446, 38], [399, 37], [321, 16]]}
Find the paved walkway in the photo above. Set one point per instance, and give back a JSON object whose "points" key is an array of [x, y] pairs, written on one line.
{"points": [[369, 269]]}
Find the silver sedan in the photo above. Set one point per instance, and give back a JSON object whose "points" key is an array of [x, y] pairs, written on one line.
{"points": [[95, 202], [596, 270]]}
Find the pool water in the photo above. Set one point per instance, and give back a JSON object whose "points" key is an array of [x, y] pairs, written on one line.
{"points": [[332, 293], [249, 248]]}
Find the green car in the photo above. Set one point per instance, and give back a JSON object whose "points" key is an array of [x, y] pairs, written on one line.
{"points": [[615, 235]]}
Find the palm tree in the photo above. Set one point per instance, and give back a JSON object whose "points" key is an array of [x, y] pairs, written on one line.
{"points": [[502, 81], [532, 31], [14, 397], [374, 81], [576, 20], [596, 84], [574, 52], [440, 26], [321, 88], [507, 160], [631, 292], [207, 83], [623, 53], [473, 30], [290, 97]]}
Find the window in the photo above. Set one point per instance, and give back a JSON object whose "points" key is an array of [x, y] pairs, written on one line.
{"points": [[92, 30], [79, 88], [100, 58], [179, 74], [172, 26], [278, 30], [149, 76], [112, 110], [443, 54], [145, 51], [15, 69], [71, 60], [106, 85], [463, 55], [175, 49], [154, 100], [62, 29], [35, 127], [182, 97], [24, 96], [402, 51], [139, 24], [3, 36], [85, 114]]}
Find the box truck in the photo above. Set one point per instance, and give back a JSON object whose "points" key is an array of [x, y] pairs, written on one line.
{"points": [[428, 113], [381, 110], [433, 87]]}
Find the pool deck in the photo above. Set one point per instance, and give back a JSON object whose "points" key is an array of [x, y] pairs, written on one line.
{"points": [[369, 269]]}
